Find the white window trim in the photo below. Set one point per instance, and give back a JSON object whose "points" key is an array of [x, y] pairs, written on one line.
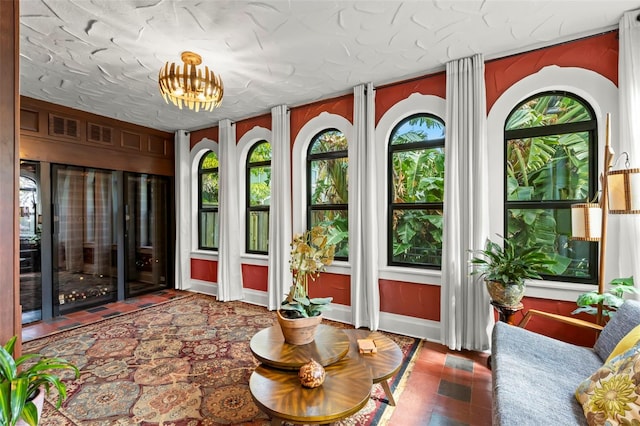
{"points": [[197, 152], [246, 142], [416, 103], [299, 161], [602, 96]]}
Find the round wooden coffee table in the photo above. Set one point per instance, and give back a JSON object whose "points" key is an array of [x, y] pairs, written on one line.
{"points": [[279, 394], [329, 346]]}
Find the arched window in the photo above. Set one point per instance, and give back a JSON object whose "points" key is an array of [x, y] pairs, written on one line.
{"points": [[416, 192], [208, 218], [328, 187], [258, 198], [551, 163]]}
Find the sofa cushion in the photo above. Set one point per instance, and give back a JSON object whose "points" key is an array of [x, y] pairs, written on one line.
{"points": [[611, 394], [535, 377], [627, 342], [625, 319]]}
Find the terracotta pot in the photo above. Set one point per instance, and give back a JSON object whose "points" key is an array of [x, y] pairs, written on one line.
{"points": [[298, 331], [39, 402], [505, 295]]}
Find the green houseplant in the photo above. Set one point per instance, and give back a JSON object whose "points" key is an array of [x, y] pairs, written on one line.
{"points": [[610, 300], [23, 378], [505, 269]]}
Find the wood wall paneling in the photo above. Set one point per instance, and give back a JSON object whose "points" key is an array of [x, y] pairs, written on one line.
{"points": [[10, 323], [62, 135]]}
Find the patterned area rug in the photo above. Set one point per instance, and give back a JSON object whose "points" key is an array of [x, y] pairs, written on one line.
{"points": [[185, 362]]}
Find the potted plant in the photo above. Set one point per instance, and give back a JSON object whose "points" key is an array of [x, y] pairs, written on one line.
{"points": [[311, 253], [609, 300], [505, 269], [24, 379]]}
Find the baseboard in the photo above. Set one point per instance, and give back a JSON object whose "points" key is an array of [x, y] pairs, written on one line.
{"points": [[205, 287], [392, 323], [409, 326]]}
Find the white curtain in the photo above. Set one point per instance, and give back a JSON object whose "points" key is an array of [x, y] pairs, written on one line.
{"points": [[629, 95], [102, 223], [280, 207], [183, 209], [466, 318], [363, 213], [229, 262]]}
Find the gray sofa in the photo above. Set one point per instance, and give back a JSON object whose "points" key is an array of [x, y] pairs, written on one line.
{"points": [[535, 377]]}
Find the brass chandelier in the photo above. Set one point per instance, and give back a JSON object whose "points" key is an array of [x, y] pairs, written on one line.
{"points": [[189, 85]]}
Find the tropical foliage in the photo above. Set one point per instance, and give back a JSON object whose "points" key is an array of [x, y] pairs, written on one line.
{"points": [[549, 167], [259, 190], [22, 378], [416, 153], [610, 299], [329, 183], [311, 253], [208, 171]]}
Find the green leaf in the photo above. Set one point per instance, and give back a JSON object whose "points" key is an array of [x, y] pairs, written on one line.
{"points": [[18, 397], [5, 402], [30, 414]]}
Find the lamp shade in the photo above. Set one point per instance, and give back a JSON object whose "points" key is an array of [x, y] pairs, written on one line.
{"points": [[586, 222], [624, 191]]}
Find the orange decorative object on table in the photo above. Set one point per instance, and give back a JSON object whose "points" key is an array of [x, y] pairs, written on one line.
{"points": [[311, 374]]}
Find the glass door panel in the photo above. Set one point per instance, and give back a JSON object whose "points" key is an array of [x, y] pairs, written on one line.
{"points": [[146, 232], [30, 218], [84, 238]]}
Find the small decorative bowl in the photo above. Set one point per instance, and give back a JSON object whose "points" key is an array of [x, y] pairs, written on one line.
{"points": [[311, 374]]}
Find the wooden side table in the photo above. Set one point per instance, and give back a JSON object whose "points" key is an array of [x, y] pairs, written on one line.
{"points": [[384, 364], [506, 313]]}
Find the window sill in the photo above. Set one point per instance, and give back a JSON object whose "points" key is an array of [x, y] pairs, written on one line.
{"points": [[556, 290], [411, 275], [204, 255]]}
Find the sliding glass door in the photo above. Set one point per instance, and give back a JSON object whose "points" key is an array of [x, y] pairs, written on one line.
{"points": [[147, 213], [84, 238], [30, 242]]}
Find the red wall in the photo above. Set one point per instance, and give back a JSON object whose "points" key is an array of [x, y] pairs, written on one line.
{"points": [[255, 277], [411, 299], [242, 127], [598, 53], [206, 270], [210, 133]]}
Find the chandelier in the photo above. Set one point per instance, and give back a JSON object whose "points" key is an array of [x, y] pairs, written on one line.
{"points": [[189, 85]]}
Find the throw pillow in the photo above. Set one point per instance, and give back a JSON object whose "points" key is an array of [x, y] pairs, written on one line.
{"points": [[627, 342], [611, 395]]}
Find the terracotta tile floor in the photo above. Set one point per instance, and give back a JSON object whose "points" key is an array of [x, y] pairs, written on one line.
{"points": [[445, 388]]}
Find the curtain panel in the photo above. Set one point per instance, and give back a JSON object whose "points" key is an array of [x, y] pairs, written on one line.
{"points": [[629, 98], [280, 277], [183, 212], [229, 261], [466, 315], [363, 213]]}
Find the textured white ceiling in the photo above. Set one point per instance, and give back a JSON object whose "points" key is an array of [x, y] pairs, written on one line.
{"points": [[103, 56]]}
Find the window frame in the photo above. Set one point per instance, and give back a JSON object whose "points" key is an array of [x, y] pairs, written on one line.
{"points": [[330, 155], [201, 208], [249, 207], [391, 205], [590, 127]]}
